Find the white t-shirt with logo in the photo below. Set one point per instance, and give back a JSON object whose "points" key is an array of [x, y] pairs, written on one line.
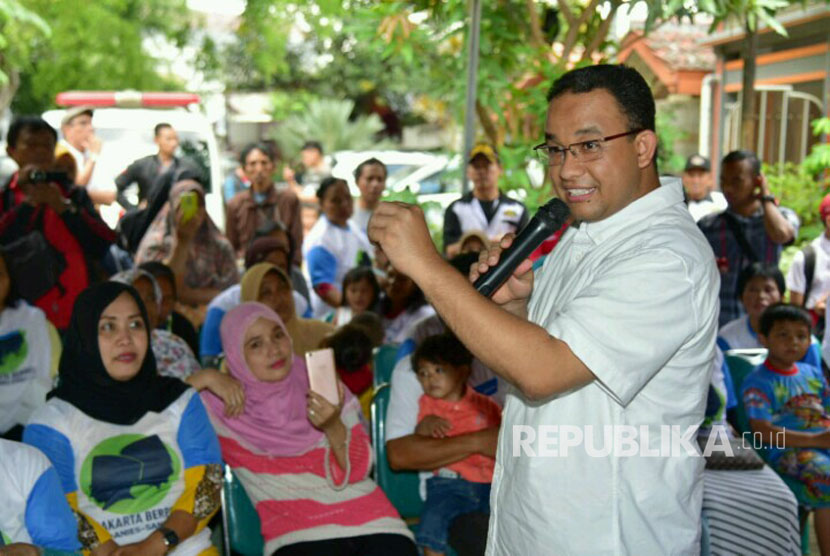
{"points": [[34, 509], [128, 477], [25, 360]]}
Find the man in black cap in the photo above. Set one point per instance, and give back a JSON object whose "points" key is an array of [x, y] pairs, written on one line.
{"points": [[697, 184], [485, 208]]}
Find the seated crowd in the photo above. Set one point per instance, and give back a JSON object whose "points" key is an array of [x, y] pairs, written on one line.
{"points": [[137, 365]]}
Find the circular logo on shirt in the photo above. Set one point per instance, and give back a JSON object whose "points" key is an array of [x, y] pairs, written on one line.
{"points": [[129, 473], [13, 351]]}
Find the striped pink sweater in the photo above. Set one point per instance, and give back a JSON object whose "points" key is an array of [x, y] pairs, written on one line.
{"points": [[309, 497]]}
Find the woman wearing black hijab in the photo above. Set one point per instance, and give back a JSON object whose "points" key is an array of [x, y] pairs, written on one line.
{"points": [[138, 459]]}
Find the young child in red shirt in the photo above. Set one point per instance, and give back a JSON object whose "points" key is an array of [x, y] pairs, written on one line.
{"points": [[449, 407]]}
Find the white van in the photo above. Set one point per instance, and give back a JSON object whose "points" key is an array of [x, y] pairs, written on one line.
{"points": [[127, 134]]}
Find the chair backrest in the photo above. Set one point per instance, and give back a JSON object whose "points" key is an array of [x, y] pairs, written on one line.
{"points": [[385, 358], [401, 487], [241, 522], [741, 363]]}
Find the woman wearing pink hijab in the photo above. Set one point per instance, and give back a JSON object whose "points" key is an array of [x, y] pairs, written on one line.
{"points": [[303, 461]]}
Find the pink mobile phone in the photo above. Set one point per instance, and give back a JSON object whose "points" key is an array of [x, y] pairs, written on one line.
{"points": [[321, 374]]}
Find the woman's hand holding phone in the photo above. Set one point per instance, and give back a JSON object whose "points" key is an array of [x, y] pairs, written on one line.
{"points": [[321, 412]]}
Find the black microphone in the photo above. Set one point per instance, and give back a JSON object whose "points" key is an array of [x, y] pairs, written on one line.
{"points": [[548, 219]]}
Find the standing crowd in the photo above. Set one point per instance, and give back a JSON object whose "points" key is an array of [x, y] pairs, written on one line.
{"points": [[142, 365]]}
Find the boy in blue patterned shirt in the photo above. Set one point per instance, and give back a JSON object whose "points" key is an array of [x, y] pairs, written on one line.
{"points": [[788, 404]]}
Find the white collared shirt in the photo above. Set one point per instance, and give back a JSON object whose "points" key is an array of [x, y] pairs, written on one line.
{"points": [[797, 278], [635, 297]]}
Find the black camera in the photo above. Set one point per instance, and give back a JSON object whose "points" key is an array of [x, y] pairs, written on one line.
{"points": [[40, 176]]}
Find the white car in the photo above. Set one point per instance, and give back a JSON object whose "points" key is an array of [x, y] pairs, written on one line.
{"points": [[127, 134], [431, 177]]}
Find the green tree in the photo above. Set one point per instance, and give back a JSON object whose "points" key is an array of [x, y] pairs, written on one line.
{"points": [[21, 31], [99, 45], [750, 14], [412, 53], [328, 120]]}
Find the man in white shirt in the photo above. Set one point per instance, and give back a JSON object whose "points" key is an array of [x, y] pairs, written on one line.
{"points": [[815, 261], [79, 139], [698, 186], [611, 341]]}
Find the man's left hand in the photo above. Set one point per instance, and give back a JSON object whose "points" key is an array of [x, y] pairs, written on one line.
{"points": [[402, 233], [763, 187]]}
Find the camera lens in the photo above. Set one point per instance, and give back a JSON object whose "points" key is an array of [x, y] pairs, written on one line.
{"points": [[37, 176]]}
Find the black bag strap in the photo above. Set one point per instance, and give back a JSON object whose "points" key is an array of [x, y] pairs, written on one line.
{"points": [[743, 243], [809, 270]]}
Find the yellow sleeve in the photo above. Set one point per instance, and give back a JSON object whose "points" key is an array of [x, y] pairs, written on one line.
{"points": [[201, 496], [57, 348], [90, 533]]}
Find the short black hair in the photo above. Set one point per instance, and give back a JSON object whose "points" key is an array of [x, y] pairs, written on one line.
{"points": [[442, 348], [313, 145], [352, 348], [326, 184], [738, 156], [370, 162], [160, 127], [33, 124], [754, 270], [371, 324], [257, 146], [781, 312], [357, 274], [269, 228], [160, 270], [625, 84]]}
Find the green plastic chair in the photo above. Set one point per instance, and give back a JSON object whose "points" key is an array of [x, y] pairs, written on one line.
{"points": [[240, 522], [741, 363], [385, 358], [401, 487]]}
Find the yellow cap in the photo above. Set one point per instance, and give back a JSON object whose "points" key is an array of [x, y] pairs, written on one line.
{"points": [[485, 150]]}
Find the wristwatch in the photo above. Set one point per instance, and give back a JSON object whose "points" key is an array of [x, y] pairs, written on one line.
{"points": [[769, 199], [171, 539]]}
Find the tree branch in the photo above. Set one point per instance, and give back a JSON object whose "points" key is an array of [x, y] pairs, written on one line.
{"points": [[602, 32], [573, 28], [565, 10], [536, 37], [487, 123]]}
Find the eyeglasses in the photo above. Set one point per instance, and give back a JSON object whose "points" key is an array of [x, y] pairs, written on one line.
{"points": [[584, 151]]}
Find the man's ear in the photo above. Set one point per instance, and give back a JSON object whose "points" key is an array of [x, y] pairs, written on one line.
{"points": [[763, 339], [646, 144]]}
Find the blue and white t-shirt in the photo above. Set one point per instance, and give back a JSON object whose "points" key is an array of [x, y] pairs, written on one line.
{"points": [[25, 359], [34, 509], [128, 477], [330, 251]]}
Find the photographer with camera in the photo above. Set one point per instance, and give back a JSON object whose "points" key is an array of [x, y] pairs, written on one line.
{"points": [[48, 226]]}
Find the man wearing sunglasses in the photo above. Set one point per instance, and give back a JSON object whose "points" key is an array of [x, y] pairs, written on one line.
{"points": [[608, 345]]}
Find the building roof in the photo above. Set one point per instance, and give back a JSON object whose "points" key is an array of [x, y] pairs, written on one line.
{"points": [[673, 54]]}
